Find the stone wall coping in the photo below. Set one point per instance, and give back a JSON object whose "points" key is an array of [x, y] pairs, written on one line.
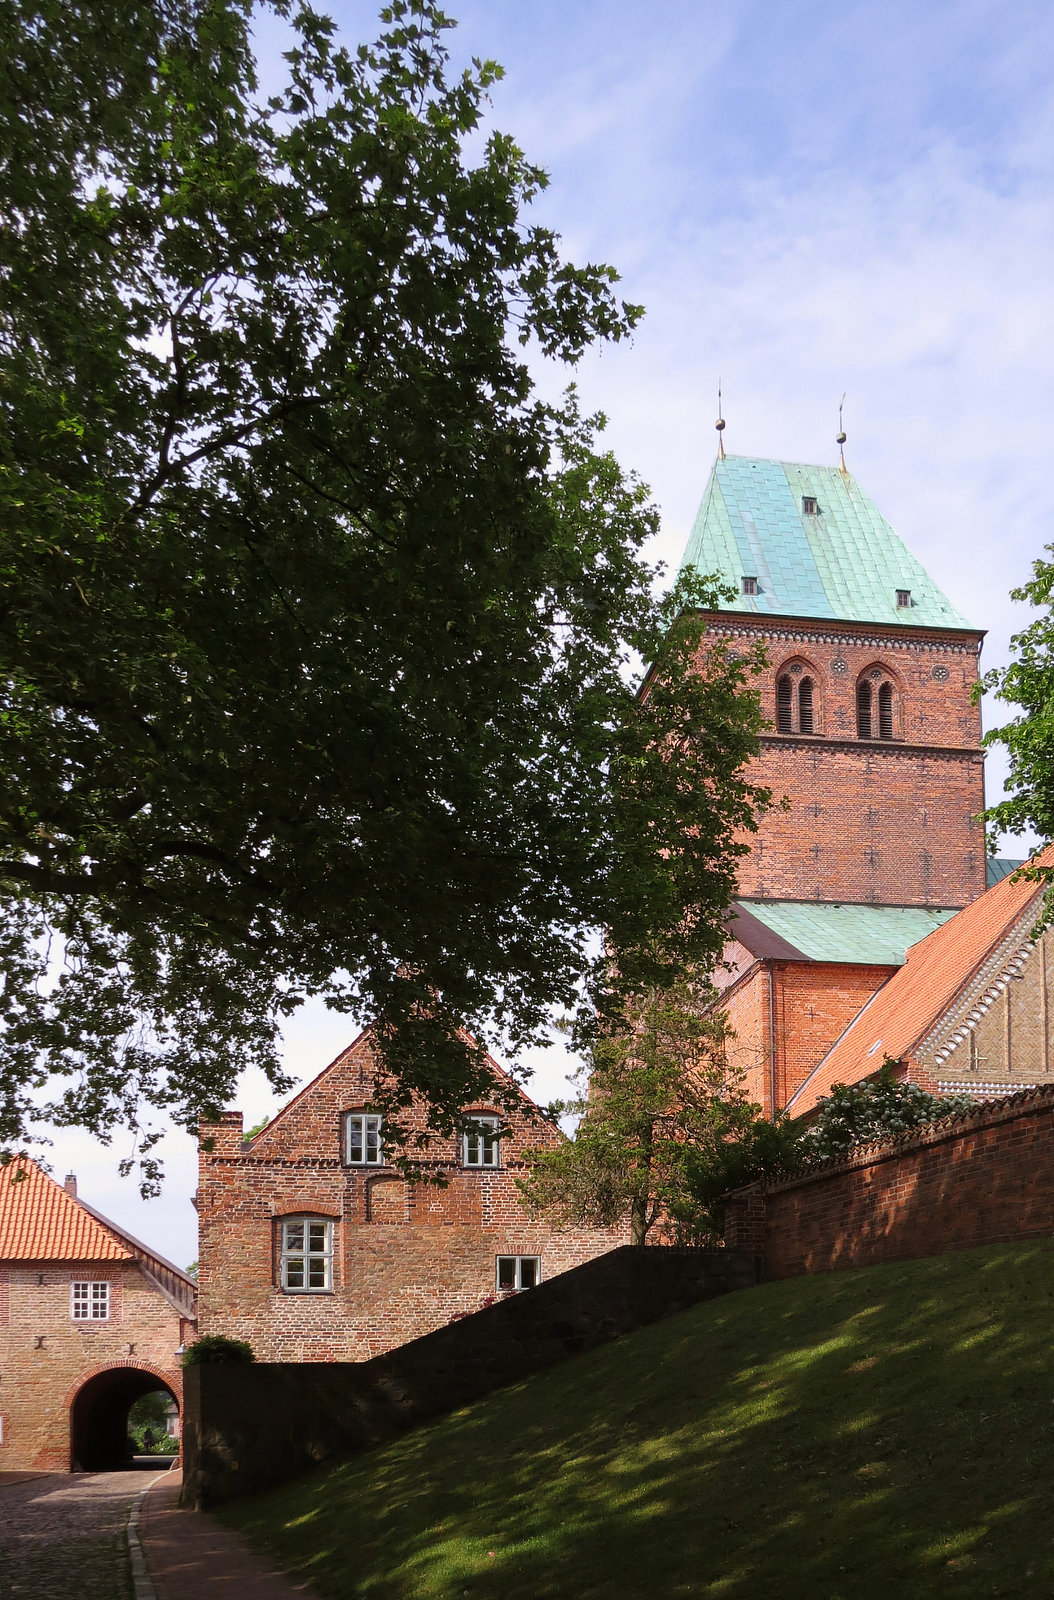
{"points": [[988, 1115]]}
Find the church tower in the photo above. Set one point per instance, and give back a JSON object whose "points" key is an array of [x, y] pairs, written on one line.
{"points": [[874, 738], [873, 745]]}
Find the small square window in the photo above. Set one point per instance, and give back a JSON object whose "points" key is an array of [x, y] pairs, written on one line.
{"points": [[362, 1140], [307, 1255], [903, 599], [90, 1302], [809, 506], [750, 585], [480, 1144], [518, 1272]]}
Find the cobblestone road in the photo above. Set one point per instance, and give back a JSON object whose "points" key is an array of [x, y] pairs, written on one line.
{"points": [[62, 1537]]}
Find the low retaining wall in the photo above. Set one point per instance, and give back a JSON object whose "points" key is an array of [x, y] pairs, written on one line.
{"points": [[983, 1177], [248, 1428]]}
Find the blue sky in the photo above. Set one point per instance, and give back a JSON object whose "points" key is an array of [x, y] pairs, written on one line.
{"points": [[808, 198]]}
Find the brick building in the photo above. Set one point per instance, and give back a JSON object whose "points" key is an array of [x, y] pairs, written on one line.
{"points": [[873, 745], [90, 1319], [313, 1247]]}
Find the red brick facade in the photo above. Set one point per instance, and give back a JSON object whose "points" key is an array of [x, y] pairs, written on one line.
{"points": [[881, 821], [406, 1257], [985, 1178]]}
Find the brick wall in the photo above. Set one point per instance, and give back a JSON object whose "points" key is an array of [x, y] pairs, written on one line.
{"points": [[46, 1358], [812, 1004], [247, 1428], [985, 1178], [407, 1257], [885, 822]]}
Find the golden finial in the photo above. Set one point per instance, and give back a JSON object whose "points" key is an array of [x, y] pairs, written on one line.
{"points": [[720, 425], [840, 441]]}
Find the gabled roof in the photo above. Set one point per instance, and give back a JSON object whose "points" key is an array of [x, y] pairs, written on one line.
{"points": [[899, 1017], [811, 930], [39, 1221], [843, 561]]}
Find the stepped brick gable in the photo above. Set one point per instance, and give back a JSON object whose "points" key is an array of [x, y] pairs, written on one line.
{"points": [[393, 1260], [872, 754], [89, 1320]]}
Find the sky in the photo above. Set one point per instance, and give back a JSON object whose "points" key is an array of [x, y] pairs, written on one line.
{"points": [[809, 200]]}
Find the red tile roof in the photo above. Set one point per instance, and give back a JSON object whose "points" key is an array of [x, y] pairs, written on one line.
{"points": [[896, 1020], [39, 1221]]}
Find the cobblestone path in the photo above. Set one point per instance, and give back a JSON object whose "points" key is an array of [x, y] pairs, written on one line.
{"points": [[62, 1537]]}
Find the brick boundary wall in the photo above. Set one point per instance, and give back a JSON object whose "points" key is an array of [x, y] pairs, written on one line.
{"points": [[985, 1176], [248, 1428]]}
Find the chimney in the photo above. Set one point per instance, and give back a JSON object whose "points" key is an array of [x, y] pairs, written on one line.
{"points": [[70, 1185]]}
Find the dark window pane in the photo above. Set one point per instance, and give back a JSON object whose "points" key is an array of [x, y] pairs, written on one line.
{"points": [[784, 703], [506, 1272], [885, 711], [863, 711], [528, 1272], [805, 716]]}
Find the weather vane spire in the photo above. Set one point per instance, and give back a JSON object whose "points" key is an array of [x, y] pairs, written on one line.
{"points": [[720, 425], [840, 441]]}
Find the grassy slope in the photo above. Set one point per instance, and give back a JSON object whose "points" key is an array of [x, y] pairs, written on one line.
{"points": [[884, 1432]]}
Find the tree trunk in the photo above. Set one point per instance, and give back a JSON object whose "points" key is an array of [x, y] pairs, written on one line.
{"points": [[639, 1221]]}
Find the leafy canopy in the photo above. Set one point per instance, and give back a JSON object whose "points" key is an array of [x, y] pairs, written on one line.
{"points": [[885, 1104], [318, 623]]}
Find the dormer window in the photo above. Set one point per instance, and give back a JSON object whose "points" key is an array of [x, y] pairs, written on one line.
{"points": [[809, 508], [750, 585], [903, 599]]}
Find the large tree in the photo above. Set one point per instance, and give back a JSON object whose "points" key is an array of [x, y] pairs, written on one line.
{"points": [[317, 622], [1028, 684]]}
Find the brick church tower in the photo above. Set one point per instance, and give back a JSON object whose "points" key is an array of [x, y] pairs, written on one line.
{"points": [[874, 744]]}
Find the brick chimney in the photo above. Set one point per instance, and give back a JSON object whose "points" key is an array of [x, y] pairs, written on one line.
{"points": [[222, 1138], [70, 1184]]}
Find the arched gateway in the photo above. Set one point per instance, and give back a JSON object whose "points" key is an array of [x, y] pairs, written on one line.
{"points": [[98, 1412]]}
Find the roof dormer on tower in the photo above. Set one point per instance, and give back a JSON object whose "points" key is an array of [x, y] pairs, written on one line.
{"points": [[801, 541]]}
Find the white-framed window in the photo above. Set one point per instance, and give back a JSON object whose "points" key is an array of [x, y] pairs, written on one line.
{"points": [[480, 1143], [362, 1140], [90, 1302], [518, 1272], [306, 1257]]}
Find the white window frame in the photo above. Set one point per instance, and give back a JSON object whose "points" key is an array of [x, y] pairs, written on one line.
{"points": [[481, 1144], [517, 1286], [93, 1303], [368, 1124], [305, 1252]]}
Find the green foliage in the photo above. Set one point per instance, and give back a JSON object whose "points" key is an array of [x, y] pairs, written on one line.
{"points": [[749, 1148], [318, 624], [213, 1348], [847, 1436], [1028, 683], [662, 1101], [854, 1114]]}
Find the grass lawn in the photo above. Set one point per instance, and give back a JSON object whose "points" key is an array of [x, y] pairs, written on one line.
{"points": [[881, 1433]]}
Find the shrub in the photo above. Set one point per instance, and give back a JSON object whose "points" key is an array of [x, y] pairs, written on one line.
{"points": [[213, 1348]]}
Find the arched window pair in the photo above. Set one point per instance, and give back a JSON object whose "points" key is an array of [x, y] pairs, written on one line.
{"points": [[795, 704], [875, 705]]}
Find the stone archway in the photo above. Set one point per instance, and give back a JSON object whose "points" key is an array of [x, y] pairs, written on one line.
{"points": [[99, 1415]]}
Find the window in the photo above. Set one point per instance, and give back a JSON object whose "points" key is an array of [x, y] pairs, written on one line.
{"points": [[362, 1140], [903, 599], [863, 710], [750, 585], [785, 706], [90, 1302], [875, 707], [480, 1143], [809, 506], [805, 719], [307, 1255], [518, 1272]]}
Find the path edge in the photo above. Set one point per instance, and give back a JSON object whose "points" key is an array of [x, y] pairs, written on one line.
{"points": [[142, 1583]]}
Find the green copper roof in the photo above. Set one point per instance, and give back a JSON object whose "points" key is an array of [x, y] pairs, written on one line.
{"points": [[843, 560], [999, 867], [871, 935]]}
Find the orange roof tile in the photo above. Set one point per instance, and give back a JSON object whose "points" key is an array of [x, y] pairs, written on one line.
{"points": [[908, 1006], [39, 1221]]}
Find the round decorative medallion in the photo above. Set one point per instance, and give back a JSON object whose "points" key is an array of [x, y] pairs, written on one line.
{"points": [[874, 674], [839, 665], [796, 667], [941, 674]]}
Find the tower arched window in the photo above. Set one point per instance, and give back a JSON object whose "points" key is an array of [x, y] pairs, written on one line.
{"points": [[797, 701], [875, 706]]}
